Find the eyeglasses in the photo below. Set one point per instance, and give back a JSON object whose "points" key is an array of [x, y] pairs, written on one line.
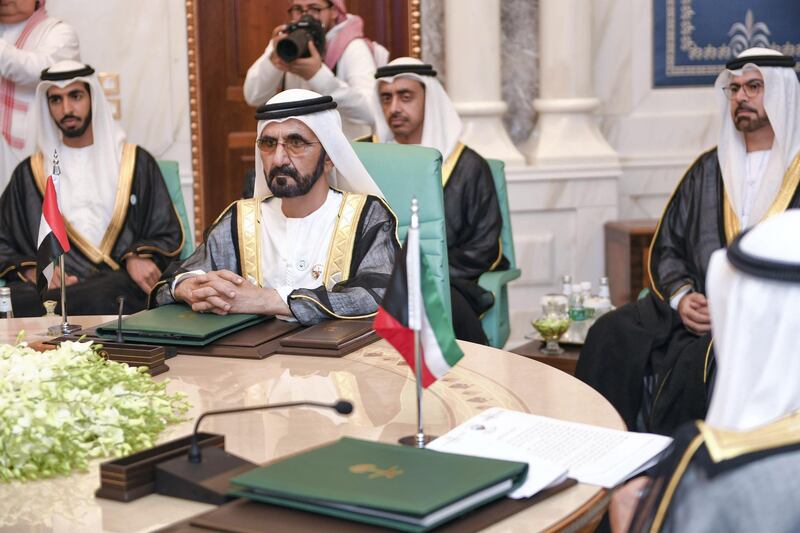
{"points": [[294, 145], [314, 10], [751, 89]]}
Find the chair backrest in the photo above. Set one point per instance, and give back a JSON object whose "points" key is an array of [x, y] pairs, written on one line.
{"points": [[172, 177], [506, 235], [405, 171]]}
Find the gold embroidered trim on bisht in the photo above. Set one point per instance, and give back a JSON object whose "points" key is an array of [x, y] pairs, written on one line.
{"points": [[125, 181], [663, 505], [499, 255], [124, 185], [248, 223], [340, 251], [791, 179], [708, 356], [658, 229], [450, 164], [329, 311], [723, 445]]}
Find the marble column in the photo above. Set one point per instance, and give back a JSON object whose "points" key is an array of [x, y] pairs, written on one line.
{"points": [[472, 44], [567, 134]]}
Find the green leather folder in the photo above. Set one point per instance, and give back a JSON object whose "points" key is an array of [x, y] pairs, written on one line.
{"points": [[399, 487], [178, 324]]}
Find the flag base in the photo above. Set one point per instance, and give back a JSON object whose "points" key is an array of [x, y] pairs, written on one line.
{"points": [[63, 329], [411, 440]]}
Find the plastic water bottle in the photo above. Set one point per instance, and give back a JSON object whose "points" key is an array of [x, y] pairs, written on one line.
{"points": [[603, 291], [600, 304], [576, 310], [566, 286], [5, 303]]}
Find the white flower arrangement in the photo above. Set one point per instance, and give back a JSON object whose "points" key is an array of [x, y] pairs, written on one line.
{"points": [[63, 407]]}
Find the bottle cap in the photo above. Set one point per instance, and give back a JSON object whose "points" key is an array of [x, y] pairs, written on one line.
{"points": [[5, 291]]}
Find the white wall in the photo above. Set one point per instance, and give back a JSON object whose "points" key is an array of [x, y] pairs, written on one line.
{"points": [[658, 133], [144, 42]]}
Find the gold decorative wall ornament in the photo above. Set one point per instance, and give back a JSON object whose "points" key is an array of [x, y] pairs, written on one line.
{"points": [[109, 81], [194, 118]]}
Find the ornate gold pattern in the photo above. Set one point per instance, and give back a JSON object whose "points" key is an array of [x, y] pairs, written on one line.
{"points": [[450, 164], [673, 482], [194, 118], [415, 29], [374, 472], [723, 445], [125, 181], [249, 227], [340, 252]]}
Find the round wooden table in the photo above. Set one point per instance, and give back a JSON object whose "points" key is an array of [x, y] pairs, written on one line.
{"points": [[374, 378]]}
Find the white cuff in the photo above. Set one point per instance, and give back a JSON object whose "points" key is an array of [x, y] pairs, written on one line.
{"points": [[183, 276], [284, 293], [675, 301]]}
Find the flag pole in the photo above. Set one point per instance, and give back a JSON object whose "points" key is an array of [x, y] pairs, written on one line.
{"points": [[65, 328], [420, 437], [64, 320], [413, 266]]}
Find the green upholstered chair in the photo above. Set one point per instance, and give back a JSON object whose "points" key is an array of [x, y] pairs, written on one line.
{"points": [[169, 169], [495, 321], [405, 171]]}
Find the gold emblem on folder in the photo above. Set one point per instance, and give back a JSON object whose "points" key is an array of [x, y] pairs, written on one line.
{"points": [[375, 472]]}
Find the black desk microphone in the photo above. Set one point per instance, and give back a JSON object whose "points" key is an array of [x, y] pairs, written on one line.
{"points": [[205, 479], [343, 407]]}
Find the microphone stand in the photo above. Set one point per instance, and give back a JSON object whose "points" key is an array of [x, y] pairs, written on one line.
{"points": [[342, 407], [203, 475]]}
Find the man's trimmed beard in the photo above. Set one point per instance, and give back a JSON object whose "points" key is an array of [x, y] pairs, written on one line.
{"points": [[79, 131], [299, 185], [746, 124]]}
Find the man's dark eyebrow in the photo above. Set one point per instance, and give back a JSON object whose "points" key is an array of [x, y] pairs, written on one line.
{"points": [[296, 136], [76, 92]]}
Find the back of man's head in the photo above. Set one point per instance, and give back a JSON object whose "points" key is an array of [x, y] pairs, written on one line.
{"points": [[754, 299]]}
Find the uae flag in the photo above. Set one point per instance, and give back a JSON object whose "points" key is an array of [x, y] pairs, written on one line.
{"points": [[412, 302], [52, 242]]}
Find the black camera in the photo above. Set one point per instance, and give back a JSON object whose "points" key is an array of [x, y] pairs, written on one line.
{"points": [[300, 33]]}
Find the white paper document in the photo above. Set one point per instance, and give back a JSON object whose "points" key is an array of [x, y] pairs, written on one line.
{"points": [[541, 473], [590, 454]]}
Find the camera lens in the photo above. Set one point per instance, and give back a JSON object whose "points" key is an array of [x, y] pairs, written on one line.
{"points": [[287, 49]]}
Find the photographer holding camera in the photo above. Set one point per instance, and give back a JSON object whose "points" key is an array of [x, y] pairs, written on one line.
{"points": [[323, 49]]}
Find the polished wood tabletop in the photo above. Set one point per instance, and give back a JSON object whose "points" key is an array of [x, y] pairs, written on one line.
{"points": [[374, 378]]}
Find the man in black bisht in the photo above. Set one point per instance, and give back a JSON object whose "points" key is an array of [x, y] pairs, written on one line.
{"points": [[122, 227], [411, 107], [653, 359]]}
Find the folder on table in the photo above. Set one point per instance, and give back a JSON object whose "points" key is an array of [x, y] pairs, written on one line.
{"points": [[178, 324], [387, 485]]}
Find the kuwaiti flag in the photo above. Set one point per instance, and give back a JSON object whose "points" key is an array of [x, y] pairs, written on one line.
{"points": [[412, 301], [52, 240]]}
